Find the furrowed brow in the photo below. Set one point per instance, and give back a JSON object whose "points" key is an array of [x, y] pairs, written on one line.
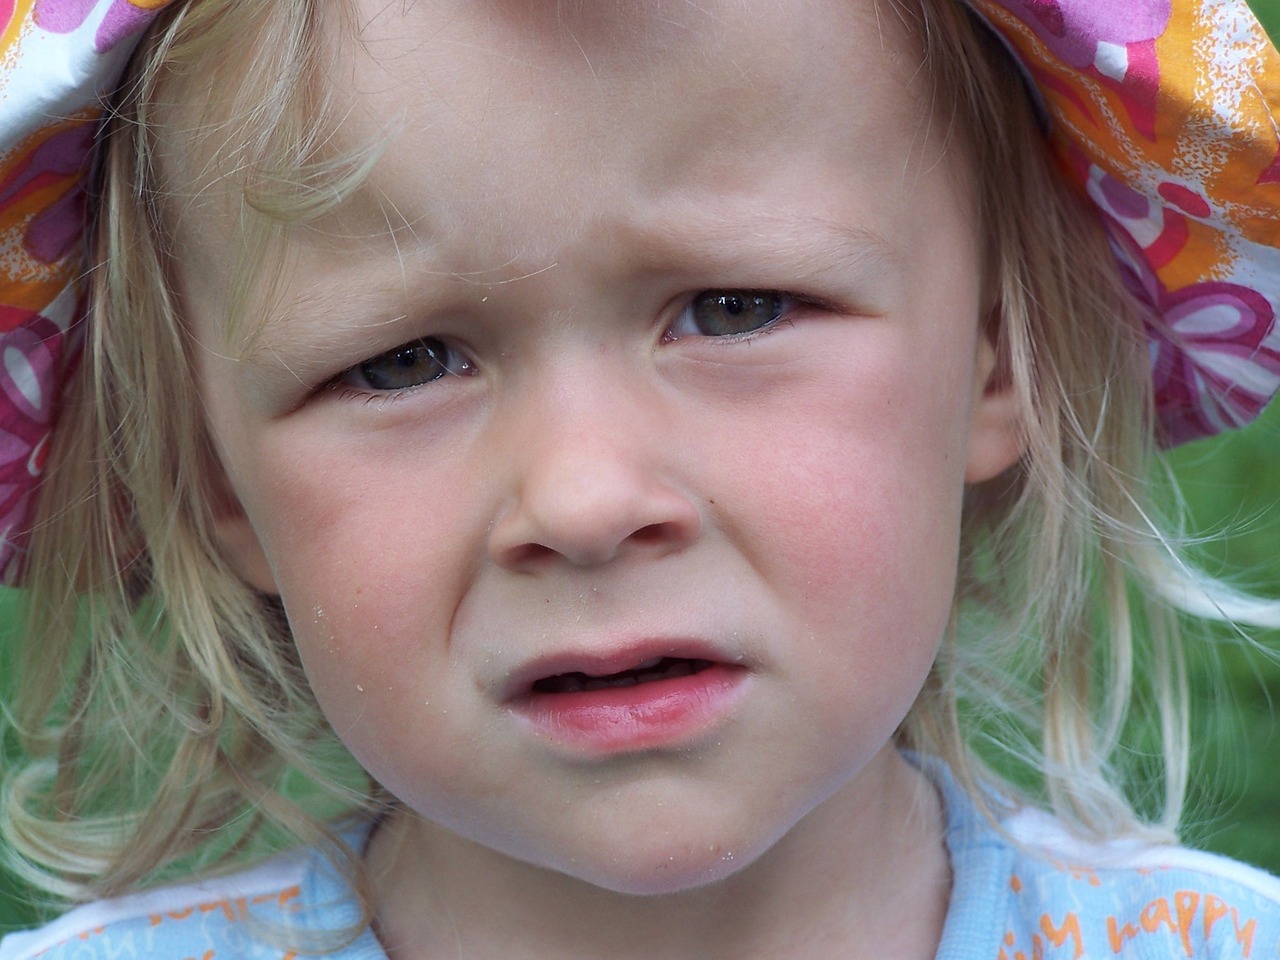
{"points": [[811, 246]]}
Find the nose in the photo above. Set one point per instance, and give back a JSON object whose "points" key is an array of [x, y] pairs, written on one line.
{"points": [[594, 480]]}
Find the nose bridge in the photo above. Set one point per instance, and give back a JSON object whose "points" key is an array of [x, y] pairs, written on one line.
{"points": [[596, 390], [592, 462], [583, 441]]}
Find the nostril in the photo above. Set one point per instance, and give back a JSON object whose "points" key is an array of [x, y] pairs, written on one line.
{"points": [[653, 533], [527, 554]]}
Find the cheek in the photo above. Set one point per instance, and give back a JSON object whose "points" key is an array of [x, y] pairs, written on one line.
{"points": [[369, 571], [854, 494], [857, 534], [848, 499]]}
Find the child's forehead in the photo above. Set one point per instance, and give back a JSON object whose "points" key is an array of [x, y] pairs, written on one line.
{"points": [[733, 48], [483, 110], [608, 70], [623, 70], [609, 38]]}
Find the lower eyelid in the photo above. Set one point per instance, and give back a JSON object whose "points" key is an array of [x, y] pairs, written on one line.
{"points": [[355, 395], [759, 332], [347, 393]]}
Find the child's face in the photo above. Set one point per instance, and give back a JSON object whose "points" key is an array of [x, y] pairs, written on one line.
{"points": [[683, 303]]}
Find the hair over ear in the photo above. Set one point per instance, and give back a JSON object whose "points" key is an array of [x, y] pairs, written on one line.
{"points": [[997, 435], [234, 532]]}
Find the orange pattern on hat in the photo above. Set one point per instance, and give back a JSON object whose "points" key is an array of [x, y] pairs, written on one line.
{"points": [[19, 13], [40, 182], [1164, 114], [1156, 110]]}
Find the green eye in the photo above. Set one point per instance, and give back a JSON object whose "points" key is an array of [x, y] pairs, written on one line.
{"points": [[409, 365], [728, 313]]}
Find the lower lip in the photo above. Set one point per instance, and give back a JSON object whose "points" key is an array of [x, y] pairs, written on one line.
{"points": [[646, 716]]}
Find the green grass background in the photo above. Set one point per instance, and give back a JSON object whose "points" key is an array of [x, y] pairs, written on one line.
{"points": [[1232, 485]]}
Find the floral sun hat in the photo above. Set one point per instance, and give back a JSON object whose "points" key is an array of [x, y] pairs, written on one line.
{"points": [[1165, 112]]}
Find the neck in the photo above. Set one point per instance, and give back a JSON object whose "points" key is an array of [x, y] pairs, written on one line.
{"points": [[864, 873]]}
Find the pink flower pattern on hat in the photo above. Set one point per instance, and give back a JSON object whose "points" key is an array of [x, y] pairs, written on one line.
{"points": [[54, 231], [121, 20], [1113, 43], [1192, 212], [42, 220], [1212, 366], [30, 354], [64, 45], [1212, 343], [1077, 30]]}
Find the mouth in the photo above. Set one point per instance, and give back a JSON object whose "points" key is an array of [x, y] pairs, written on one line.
{"points": [[653, 670], [664, 700]]}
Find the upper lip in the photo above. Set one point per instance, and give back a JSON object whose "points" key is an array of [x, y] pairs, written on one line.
{"points": [[598, 662]]}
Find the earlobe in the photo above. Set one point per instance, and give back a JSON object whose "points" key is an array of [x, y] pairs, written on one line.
{"points": [[997, 438], [243, 552], [235, 535]]}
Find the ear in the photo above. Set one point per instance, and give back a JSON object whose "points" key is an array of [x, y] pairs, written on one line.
{"points": [[236, 538], [997, 439]]}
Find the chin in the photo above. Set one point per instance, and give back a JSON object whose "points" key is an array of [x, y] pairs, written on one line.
{"points": [[670, 877], [651, 870]]}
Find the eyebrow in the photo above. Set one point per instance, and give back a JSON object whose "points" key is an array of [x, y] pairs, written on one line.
{"points": [[813, 245], [807, 247], [273, 337]]}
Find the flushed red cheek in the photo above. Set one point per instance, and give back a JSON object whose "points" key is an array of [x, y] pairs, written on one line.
{"points": [[379, 549], [839, 522], [861, 550]]}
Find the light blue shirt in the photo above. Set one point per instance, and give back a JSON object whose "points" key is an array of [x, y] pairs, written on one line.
{"points": [[1029, 890]]}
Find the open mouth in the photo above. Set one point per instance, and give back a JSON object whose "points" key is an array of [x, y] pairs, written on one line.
{"points": [[651, 671], [587, 705]]}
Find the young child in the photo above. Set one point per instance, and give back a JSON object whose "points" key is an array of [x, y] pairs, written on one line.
{"points": [[660, 442]]}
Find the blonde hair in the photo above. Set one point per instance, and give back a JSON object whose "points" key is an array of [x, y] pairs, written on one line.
{"points": [[164, 713], [163, 710], [1059, 617]]}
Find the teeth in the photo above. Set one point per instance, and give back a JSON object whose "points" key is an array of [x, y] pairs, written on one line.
{"points": [[658, 668], [668, 669], [606, 683], [563, 683]]}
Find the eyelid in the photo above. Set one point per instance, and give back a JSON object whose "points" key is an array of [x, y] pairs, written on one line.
{"points": [[791, 303], [354, 382]]}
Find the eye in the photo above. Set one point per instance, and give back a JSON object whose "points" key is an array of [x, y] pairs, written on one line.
{"points": [[408, 365], [729, 313]]}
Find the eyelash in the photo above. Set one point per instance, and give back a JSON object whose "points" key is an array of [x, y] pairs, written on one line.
{"points": [[380, 398], [438, 357], [735, 300], [736, 303]]}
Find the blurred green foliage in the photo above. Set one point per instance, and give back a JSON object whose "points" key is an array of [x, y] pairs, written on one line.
{"points": [[13, 912], [1232, 486], [1268, 12]]}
